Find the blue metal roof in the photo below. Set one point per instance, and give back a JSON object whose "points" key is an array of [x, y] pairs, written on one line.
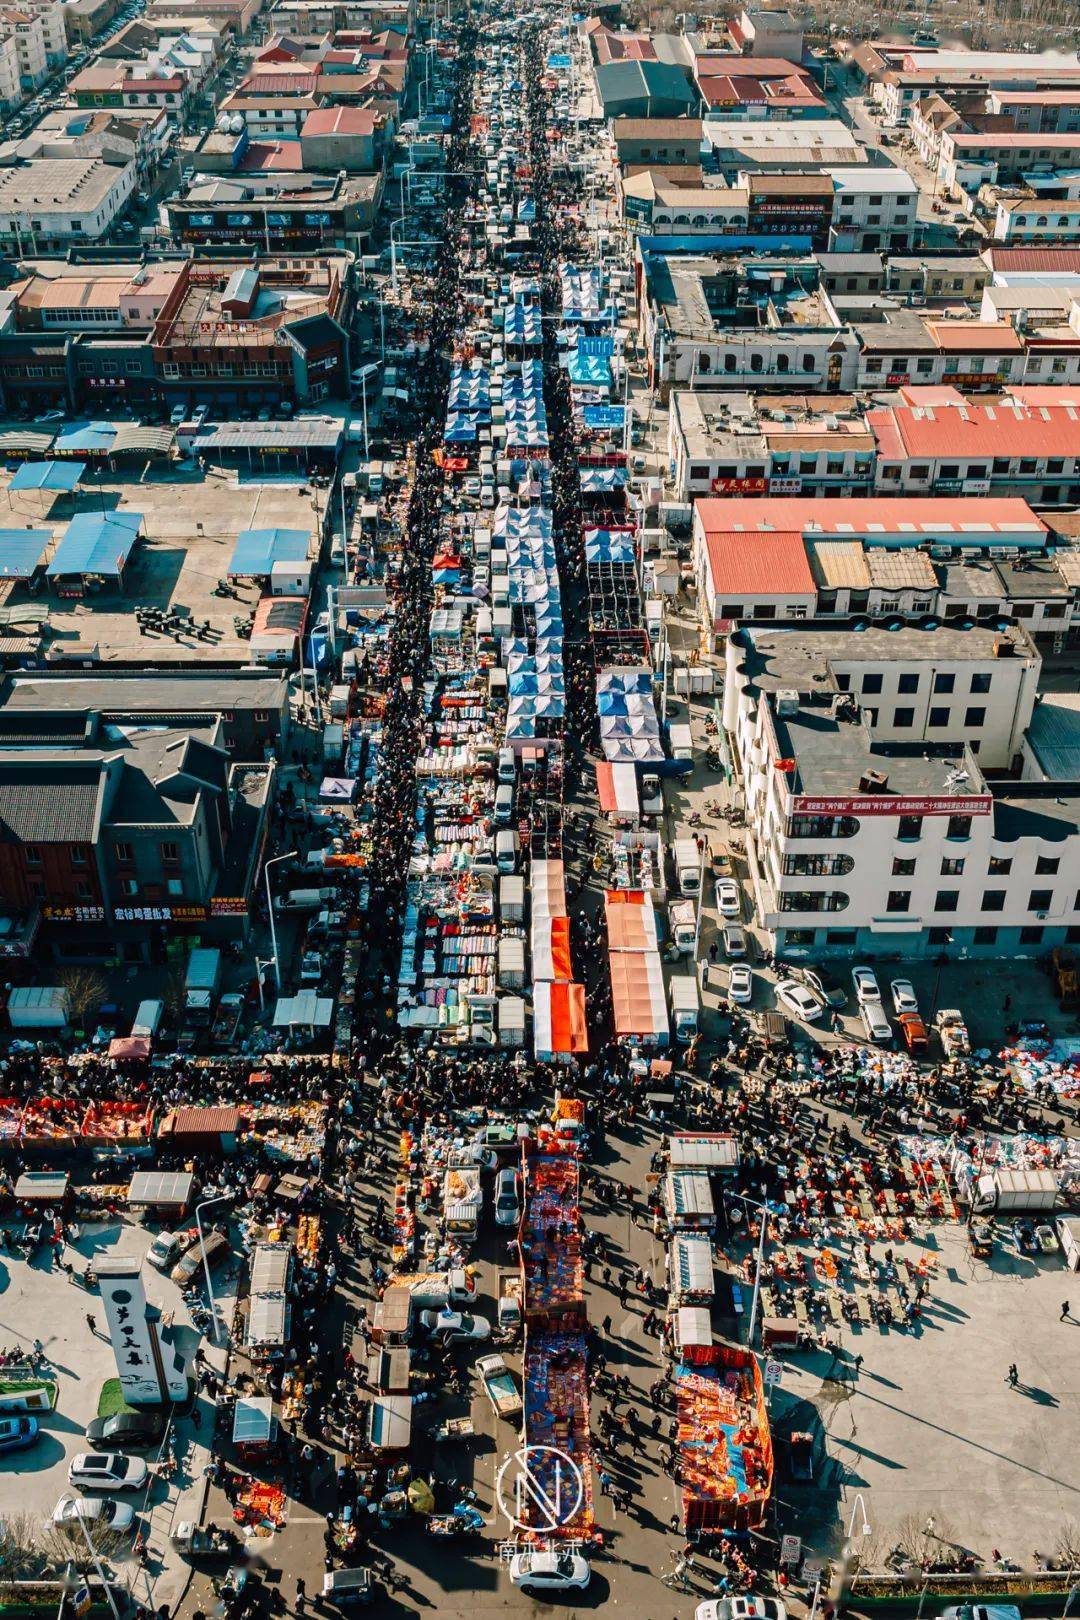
{"points": [[21, 550], [56, 475], [257, 550], [85, 439], [93, 544]]}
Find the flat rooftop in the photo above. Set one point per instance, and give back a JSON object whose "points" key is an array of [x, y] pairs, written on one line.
{"points": [[805, 658], [191, 521], [833, 753]]}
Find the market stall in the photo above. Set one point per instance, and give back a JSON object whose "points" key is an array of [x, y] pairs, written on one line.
{"points": [[723, 1440]]}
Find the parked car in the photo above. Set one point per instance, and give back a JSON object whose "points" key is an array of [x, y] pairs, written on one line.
{"points": [[799, 1000], [904, 999], [94, 1510], [167, 1248], [866, 985], [134, 1429], [734, 940], [106, 1471], [507, 1197], [827, 985], [16, 1433], [875, 1021], [215, 1246], [454, 1327], [741, 1608], [913, 1030], [740, 984], [556, 1570], [727, 898]]}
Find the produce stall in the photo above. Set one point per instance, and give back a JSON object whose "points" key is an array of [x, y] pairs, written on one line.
{"points": [[723, 1440]]}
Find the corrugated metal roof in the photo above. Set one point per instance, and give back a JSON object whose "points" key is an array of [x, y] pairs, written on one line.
{"points": [[206, 1121], [838, 564], [1068, 566], [900, 570], [977, 430], [762, 565]]}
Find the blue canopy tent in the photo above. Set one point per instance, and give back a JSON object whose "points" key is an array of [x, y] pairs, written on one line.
{"points": [[257, 550], [60, 477], [21, 552], [589, 371], [96, 545], [87, 439]]}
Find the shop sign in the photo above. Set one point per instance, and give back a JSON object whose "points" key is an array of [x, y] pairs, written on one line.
{"points": [[129, 1332], [638, 208], [81, 914], [971, 805], [975, 486], [946, 486], [785, 486], [739, 486], [897, 379]]}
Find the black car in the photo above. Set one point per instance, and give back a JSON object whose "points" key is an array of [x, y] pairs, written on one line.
{"points": [[125, 1430], [831, 989]]}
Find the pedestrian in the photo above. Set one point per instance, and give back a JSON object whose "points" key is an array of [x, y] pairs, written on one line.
{"points": [[301, 1593], [858, 1364], [1066, 1313], [606, 1324], [91, 1323], [1014, 1376]]}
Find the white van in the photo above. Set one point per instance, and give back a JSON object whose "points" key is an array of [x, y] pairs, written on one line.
{"points": [[507, 845], [507, 768], [504, 804], [875, 1021]]}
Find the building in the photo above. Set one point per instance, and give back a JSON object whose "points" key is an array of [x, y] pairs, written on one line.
{"points": [[28, 27], [957, 446], [863, 840], [655, 141], [84, 20], [790, 205], [51, 16], [873, 208], [1025, 216], [53, 203], [351, 138], [11, 88], [143, 825], [123, 84], [659, 208], [636, 89], [278, 212], [756, 87], [731, 147], [765, 31], [968, 161]]}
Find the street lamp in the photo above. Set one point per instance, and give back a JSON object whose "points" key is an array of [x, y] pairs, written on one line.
{"points": [[270, 906], [222, 1198], [362, 375], [96, 1561], [763, 1210]]}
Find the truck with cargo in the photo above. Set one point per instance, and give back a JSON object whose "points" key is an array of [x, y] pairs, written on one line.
{"points": [[201, 983], [430, 1290], [463, 1200], [1002, 1191], [687, 859], [509, 1309], [952, 1032], [682, 927], [499, 1386], [681, 744]]}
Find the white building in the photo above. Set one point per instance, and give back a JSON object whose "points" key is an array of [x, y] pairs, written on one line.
{"points": [[54, 202], [873, 208], [862, 839], [29, 31], [11, 90], [51, 15]]}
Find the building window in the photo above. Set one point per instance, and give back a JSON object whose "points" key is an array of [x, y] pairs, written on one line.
{"points": [[909, 828], [984, 936], [993, 900], [871, 683], [903, 717], [731, 610], [938, 717], [947, 900], [944, 683], [80, 855], [1000, 865], [813, 900], [124, 853], [959, 827], [953, 867], [822, 826], [907, 684], [902, 866], [1040, 899], [939, 936], [1047, 865], [817, 865], [32, 855], [170, 854], [1031, 935], [974, 717], [129, 887], [899, 900]]}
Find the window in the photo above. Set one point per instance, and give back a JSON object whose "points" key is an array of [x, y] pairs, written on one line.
{"points": [[83, 891], [975, 717], [783, 362], [871, 683], [948, 469], [817, 865], [1040, 899], [698, 472], [903, 866], [984, 936], [1000, 865], [813, 900], [993, 900], [953, 867], [1032, 935], [938, 936], [170, 854], [808, 362], [124, 853], [980, 684], [899, 900], [944, 683], [822, 826], [903, 718], [873, 367], [80, 854], [938, 717], [32, 854], [129, 887], [947, 900], [1047, 865], [959, 827], [731, 610], [908, 683], [909, 828]]}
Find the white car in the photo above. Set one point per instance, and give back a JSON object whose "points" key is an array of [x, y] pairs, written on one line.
{"points": [[741, 1608], [106, 1471], [554, 1571], [508, 1197], [866, 985], [727, 898], [799, 1001], [740, 984], [94, 1510], [454, 1327], [904, 999]]}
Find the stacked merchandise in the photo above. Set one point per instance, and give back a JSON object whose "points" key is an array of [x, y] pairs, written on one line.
{"points": [[1036, 1061], [724, 1445], [551, 1240], [559, 1023]]}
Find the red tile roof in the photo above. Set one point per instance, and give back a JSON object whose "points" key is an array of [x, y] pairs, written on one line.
{"points": [[1035, 258], [771, 565]]}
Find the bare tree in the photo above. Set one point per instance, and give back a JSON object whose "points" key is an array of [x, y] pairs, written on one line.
{"points": [[1067, 1545], [21, 1555], [85, 991]]}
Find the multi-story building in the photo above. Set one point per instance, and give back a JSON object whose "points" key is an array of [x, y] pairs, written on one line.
{"points": [[657, 140], [29, 30], [51, 16], [871, 826], [723, 444], [11, 90], [730, 147], [84, 20], [278, 212], [958, 446], [55, 202], [873, 208]]}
